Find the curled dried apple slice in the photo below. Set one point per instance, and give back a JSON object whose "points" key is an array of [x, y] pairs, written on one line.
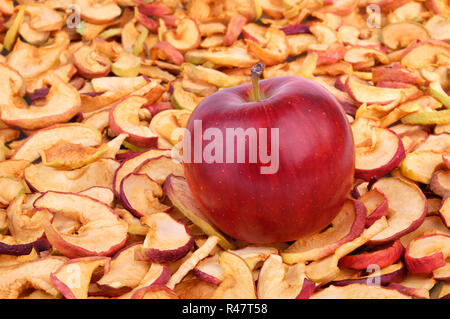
{"points": [[169, 125], [99, 173], [46, 137], [431, 225], [209, 270], [43, 18], [438, 27], [440, 183], [154, 292], [165, 51], [140, 195], [159, 168], [346, 226], [407, 208], [276, 49], [167, 239], [66, 155], [212, 76], [359, 291], [325, 270], [425, 53], [439, 143], [11, 188], [26, 226], [101, 231], [415, 285], [389, 274], [427, 253], [60, 104], [381, 256], [444, 211], [237, 279], [73, 277], [383, 155], [99, 12], [17, 278], [365, 93], [233, 56], [428, 118], [125, 272], [279, 281], [128, 166], [178, 191], [376, 205], [186, 36], [126, 65], [438, 92], [124, 118], [419, 166], [30, 61], [90, 62], [402, 34]]}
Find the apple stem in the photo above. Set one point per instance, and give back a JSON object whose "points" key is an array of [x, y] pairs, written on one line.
{"points": [[257, 71]]}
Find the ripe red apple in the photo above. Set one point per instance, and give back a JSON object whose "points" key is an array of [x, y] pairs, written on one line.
{"points": [[303, 182]]}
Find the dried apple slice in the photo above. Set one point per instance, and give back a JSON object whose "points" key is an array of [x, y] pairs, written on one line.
{"points": [[346, 226], [233, 56], [389, 274], [154, 292], [17, 278], [376, 204], [126, 65], [444, 211], [407, 208], [279, 281], [428, 118], [169, 125], [359, 291], [11, 189], [73, 277], [43, 18], [431, 225], [440, 183], [276, 49], [414, 285], [165, 51], [234, 28], [30, 61], [167, 239], [45, 138], [381, 256], [99, 173], [438, 27], [394, 73], [186, 36], [378, 159], [124, 118], [439, 143], [129, 166], [66, 155], [427, 253], [101, 232], [125, 272], [325, 270], [364, 93], [90, 62], [159, 168], [212, 76], [209, 270], [102, 194], [423, 54], [237, 279], [402, 34], [420, 166], [140, 195], [97, 11], [438, 92], [177, 190]]}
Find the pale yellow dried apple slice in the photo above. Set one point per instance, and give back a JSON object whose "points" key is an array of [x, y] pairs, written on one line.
{"points": [[359, 291], [419, 166]]}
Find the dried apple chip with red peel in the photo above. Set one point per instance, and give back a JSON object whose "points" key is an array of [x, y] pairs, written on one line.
{"points": [[97, 11], [440, 183], [381, 256], [129, 166], [423, 54], [186, 36], [17, 278], [280, 281], [12, 187], [154, 292], [389, 274], [359, 291], [276, 49], [431, 225], [346, 226], [415, 285], [124, 118], [209, 270], [376, 204], [444, 211], [101, 231], [74, 132], [100, 193], [427, 253], [165, 51], [403, 34], [407, 208], [125, 272], [140, 195], [167, 239], [73, 277], [383, 155], [439, 143], [234, 29], [159, 168]]}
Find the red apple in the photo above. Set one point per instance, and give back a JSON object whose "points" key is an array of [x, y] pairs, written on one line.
{"points": [[295, 191]]}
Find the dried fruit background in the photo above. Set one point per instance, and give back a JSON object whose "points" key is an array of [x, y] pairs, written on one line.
{"points": [[95, 94]]}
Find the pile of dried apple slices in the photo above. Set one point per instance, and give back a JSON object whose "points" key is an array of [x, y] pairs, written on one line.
{"points": [[91, 115]]}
